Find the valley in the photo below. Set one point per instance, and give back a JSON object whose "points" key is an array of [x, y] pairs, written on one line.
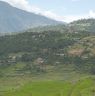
{"points": [[48, 62], [40, 56]]}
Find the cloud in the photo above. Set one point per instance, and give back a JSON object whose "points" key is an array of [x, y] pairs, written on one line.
{"points": [[92, 13], [70, 18], [25, 5], [52, 15], [22, 4]]}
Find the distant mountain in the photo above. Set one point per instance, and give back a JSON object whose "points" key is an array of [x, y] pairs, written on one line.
{"points": [[13, 19], [83, 25]]}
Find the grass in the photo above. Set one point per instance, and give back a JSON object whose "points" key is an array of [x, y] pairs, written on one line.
{"points": [[55, 82], [46, 88], [84, 87], [28, 87]]}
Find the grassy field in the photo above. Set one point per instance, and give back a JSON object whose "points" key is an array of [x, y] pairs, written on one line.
{"points": [[55, 82], [28, 86]]}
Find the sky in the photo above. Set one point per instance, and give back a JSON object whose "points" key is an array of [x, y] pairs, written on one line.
{"points": [[61, 10]]}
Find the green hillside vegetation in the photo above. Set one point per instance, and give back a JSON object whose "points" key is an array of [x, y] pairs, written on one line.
{"points": [[51, 61], [33, 52], [58, 27], [82, 87], [84, 24], [84, 52]]}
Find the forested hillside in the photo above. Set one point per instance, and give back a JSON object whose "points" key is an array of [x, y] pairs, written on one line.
{"points": [[33, 52], [53, 61], [43, 51], [83, 24]]}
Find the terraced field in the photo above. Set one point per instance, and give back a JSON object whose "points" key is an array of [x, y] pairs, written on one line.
{"points": [[83, 87]]}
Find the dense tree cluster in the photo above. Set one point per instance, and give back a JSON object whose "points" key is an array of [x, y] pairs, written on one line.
{"points": [[36, 50]]}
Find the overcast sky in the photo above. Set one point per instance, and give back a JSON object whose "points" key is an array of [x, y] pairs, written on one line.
{"points": [[62, 10]]}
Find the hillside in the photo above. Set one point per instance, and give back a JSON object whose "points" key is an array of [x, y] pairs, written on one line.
{"points": [[87, 25], [35, 53], [40, 56], [50, 63], [51, 60], [83, 24], [19, 20]]}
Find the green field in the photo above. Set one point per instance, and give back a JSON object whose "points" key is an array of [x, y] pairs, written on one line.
{"points": [[21, 86], [62, 80]]}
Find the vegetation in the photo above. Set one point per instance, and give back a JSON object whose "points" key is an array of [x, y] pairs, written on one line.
{"points": [[33, 52], [82, 87], [51, 61]]}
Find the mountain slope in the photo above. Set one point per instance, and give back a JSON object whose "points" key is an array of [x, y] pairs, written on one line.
{"points": [[83, 25], [13, 19], [37, 53]]}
